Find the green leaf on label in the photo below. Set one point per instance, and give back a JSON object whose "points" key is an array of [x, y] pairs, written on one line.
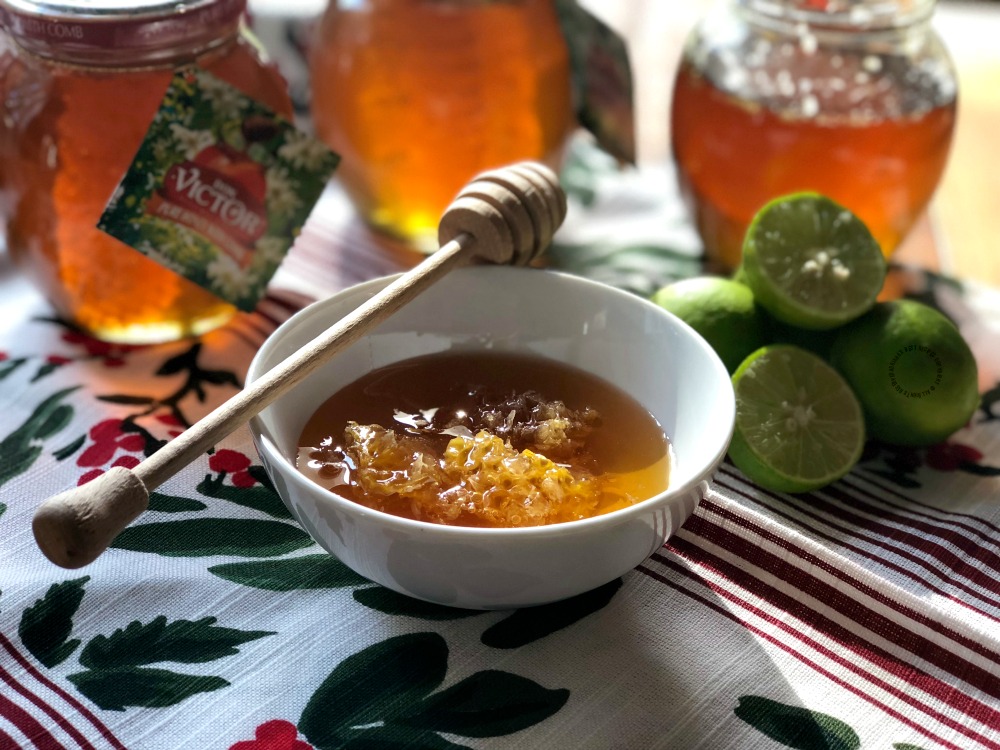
{"points": [[398, 738], [173, 504], [114, 689], [376, 684], [183, 641], [46, 625], [530, 624], [263, 498], [202, 537], [795, 726], [68, 450], [3, 509], [905, 746], [299, 573], [488, 704], [392, 603]]}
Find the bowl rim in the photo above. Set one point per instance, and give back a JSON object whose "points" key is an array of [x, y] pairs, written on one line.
{"points": [[365, 289]]}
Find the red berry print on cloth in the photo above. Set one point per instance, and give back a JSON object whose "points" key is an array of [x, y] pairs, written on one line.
{"points": [[111, 355], [274, 735], [951, 456], [110, 438], [176, 427], [235, 464]]}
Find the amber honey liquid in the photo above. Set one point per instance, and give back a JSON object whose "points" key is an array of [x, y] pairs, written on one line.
{"points": [[66, 164], [417, 96], [626, 446], [733, 156]]}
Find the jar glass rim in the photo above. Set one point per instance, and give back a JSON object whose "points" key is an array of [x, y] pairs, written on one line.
{"points": [[96, 32], [844, 15]]}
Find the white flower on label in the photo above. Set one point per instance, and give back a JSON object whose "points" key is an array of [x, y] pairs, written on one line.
{"points": [[270, 250], [227, 277], [281, 195], [301, 150], [191, 142], [226, 100]]}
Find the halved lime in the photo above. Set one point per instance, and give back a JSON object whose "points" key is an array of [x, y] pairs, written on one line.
{"points": [[798, 424], [811, 263]]}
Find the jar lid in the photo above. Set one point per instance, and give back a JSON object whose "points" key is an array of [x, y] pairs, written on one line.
{"points": [[102, 32]]}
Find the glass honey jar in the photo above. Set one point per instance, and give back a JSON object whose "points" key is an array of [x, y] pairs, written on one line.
{"points": [[80, 83], [417, 96], [856, 100]]}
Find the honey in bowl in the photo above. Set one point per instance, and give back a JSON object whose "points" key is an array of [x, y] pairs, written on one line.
{"points": [[485, 439]]}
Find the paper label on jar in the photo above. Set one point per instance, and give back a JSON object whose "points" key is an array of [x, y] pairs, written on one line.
{"points": [[219, 188], [602, 79]]}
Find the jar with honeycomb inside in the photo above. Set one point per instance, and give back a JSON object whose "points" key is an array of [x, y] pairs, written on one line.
{"points": [[853, 99], [417, 96], [80, 83]]}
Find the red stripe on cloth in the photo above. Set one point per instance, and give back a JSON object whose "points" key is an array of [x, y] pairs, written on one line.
{"points": [[7, 742], [106, 733], [45, 708], [860, 551], [915, 508], [957, 563], [802, 580], [914, 643], [788, 649], [850, 532], [992, 528], [28, 726]]}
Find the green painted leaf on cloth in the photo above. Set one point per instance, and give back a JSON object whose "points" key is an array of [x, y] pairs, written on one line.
{"points": [[46, 625], [796, 727], [488, 704], [307, 572], [392, 603], [640, 269], [377, 684], [21, 448], [183, 641], [115, 689], [398, 738], [8, 366], [262, 497], [530, 624], [173, 504], [202, 537], [905, 746], [69, 449]]}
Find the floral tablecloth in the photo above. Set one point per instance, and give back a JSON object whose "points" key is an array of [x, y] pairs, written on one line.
{"points": [[866, 615]]}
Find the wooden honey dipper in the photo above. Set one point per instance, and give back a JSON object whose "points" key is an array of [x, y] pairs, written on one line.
{"points": [[504, 216]]}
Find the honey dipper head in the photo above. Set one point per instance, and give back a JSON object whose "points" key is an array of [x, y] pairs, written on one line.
{"points": [[512, 212]]}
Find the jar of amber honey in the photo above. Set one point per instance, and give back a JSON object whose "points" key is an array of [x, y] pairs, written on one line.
{"points": [[855, 99], [80, 83], [417, 96]]}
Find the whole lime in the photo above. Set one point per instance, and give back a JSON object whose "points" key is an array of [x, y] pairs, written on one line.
{"points": [[722, 311], [912, 371]]}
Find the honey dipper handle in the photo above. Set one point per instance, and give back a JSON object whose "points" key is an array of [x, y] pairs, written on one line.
{"points": [[493, 218]]}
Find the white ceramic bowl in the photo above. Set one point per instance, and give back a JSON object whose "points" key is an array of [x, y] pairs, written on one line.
{"points": [[626, 340]]}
